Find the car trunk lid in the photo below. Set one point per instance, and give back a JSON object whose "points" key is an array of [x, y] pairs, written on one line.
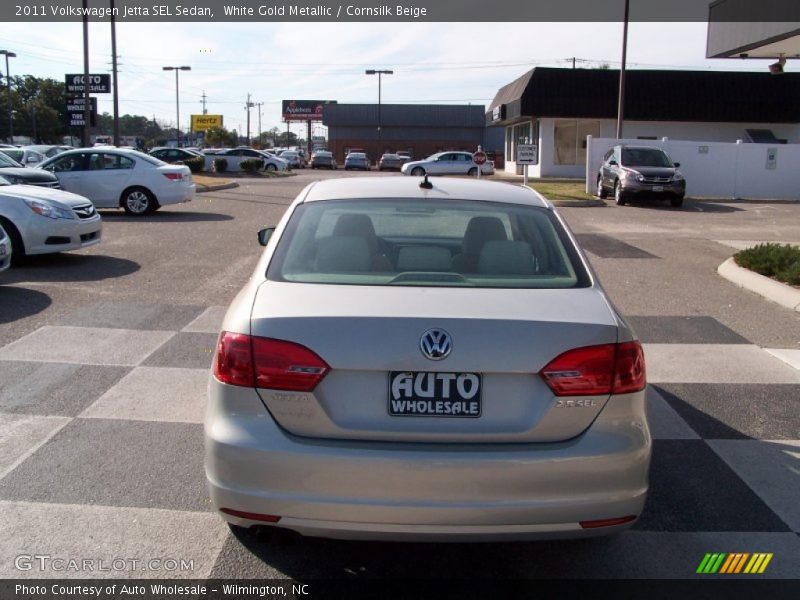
{"points": [[371, 337]]}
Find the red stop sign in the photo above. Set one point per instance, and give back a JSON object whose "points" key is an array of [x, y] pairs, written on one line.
{"points": [[479, 157]]}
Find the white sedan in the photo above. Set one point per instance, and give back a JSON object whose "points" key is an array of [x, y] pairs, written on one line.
{"points": [[118, 178], [432, 361], [5, 250], [447, 163], [42, 221]]}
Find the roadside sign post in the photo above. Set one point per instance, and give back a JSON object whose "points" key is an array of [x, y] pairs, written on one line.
{"points": [[527, 154], [479, 157]]}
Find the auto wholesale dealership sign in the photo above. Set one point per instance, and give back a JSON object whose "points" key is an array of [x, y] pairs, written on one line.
{"points": [[203, 122], [304, 110], [99, 83]]}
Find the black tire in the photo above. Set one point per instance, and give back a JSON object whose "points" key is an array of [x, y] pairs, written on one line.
{"points": [[677, 201], [473, 171], [417, 172], [619, 197], [138, 201], [601, 191], [17, 245], [270, 167]]}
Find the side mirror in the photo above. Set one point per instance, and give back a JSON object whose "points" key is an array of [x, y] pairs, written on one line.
{"points": [[612, 163], [677, 165], [264, 235]]}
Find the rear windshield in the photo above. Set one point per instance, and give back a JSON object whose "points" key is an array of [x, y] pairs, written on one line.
{"points": [[426, 243], [645, 157]]}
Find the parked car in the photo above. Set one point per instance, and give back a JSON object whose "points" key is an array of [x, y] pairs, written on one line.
{"points": [[15, 173], [390, 162], [484, 374], [43, 221], [322, 159], [404, 154], [48, 149], [5, 250], [271, 163], [640, 171], [293, 158], [356, 160], [174, 155], [116, 178], [447, 163], [24, 156]]}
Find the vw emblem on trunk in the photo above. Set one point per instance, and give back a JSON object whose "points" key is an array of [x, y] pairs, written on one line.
{"points": [[435, 344]]}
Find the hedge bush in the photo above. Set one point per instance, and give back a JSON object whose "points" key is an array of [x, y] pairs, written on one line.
{"points": [[772, 260], [220, 165], [196, 165], [251, 165]]}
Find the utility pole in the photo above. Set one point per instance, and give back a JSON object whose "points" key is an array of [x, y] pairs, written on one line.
{"points": [[115, 87], [573, 62], [621, 99], [379, 73], [87, 107], [205, 112], [248, 106], [259, 105]]}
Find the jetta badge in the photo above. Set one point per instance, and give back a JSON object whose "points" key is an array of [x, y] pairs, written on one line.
{"points": [[435, 344]]}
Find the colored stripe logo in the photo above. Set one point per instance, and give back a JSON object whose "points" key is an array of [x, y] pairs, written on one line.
{"points": [[734, 563]]}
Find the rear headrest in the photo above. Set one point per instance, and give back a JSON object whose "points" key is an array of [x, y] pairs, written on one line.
{"points": [[506, 258], [360, 226], [481, 230], [343, 253]]}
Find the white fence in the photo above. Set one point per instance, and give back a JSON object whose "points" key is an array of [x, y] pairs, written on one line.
{"points": [[717, 169]]}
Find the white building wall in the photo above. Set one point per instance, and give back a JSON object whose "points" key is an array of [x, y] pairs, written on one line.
{"points": [[690, 131], [718, 169]]}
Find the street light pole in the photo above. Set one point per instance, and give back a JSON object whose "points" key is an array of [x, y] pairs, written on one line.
{"points": [[8, 55], [177, 99], [379, 73]]}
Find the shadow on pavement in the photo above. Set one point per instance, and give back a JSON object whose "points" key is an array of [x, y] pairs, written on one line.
{"points": [[18, 303], [311, 558], [689, 205], [65, 267], [163, 216]]}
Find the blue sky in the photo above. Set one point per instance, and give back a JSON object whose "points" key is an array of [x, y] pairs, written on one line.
{"points": [[449, 63]]}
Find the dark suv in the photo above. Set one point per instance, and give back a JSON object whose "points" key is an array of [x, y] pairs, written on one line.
{"points": [[638, 171]]}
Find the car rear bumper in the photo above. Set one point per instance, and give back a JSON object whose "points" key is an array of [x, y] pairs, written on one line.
{"points": [[177, 194], [407, 491], [658, 190]]}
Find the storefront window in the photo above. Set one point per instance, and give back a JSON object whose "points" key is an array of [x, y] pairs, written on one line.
{"points": [[569, 140]]}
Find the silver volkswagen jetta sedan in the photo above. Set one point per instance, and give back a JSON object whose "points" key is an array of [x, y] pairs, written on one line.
{"points": [[417, 361]]}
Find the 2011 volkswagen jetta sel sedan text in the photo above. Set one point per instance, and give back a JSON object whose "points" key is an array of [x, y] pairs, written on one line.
{"points": [[417, 361]]}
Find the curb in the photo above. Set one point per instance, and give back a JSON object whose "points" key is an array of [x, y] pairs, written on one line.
{"points": [[221, 186], [578, 203], [777, 292]]}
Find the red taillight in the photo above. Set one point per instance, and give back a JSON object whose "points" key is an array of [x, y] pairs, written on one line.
{"points": [[233, 363], [252, 516], [607, 522], [284, 365], [266, 363], [629, 371], [174, 176], [597, 370]]}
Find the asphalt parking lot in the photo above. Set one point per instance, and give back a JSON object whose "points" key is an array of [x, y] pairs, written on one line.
{"points": [[104, 355]]}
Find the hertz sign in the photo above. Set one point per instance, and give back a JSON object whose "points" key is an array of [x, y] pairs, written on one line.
{"points": [[203, 122]]}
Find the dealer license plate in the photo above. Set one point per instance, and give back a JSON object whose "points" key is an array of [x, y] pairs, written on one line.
{"points": [[426, 394]]}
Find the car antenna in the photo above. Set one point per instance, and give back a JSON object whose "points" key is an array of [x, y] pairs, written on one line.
{"points": [[426, 185]]}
